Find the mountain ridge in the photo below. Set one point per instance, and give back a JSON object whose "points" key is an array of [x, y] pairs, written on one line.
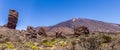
{"points": [[92, 25]]}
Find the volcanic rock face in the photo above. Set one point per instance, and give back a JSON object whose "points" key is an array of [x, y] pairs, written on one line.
{"points": [[81, 30], [32, 32], [42, 32], [12, 19]]}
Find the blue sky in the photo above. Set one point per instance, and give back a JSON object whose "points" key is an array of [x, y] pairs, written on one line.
{"points": [[50, 12]]}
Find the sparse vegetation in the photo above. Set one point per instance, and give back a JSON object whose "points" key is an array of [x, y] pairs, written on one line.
{"points": [[106, 38], [84, 42], [32, 39]]}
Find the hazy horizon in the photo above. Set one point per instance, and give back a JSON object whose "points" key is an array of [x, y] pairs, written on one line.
{"points": [[50, 12]]}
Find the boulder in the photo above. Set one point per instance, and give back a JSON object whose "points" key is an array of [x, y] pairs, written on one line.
{"points": [[42, 32], [32, 32], [59, 35], [30, 29], [81, 30]]}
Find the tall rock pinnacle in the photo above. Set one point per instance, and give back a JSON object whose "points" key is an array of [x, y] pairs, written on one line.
{"points": [[12, 19]]}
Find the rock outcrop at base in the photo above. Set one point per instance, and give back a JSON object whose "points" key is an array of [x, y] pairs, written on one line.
{"points": [[59, 35], [32, 33], [81, 30], [42, 32], [12, 19]]}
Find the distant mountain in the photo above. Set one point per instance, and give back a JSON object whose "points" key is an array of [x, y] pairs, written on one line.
{"points": [[93, 25]]}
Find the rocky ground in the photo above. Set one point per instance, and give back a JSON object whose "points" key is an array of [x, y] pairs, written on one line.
{"points": [[11, 39]]}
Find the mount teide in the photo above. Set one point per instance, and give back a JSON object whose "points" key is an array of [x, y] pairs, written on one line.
{"points": [[93, 26]]}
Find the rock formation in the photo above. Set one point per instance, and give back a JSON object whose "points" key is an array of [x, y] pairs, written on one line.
{"points": [[32, 32], [81, 30], [42, 32], [59, 35], [29, 28], [12, 19]]}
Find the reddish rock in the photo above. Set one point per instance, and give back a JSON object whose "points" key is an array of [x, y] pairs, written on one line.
{"points": [[32, 32], [81, 30], [12, 19], [42, 32]]}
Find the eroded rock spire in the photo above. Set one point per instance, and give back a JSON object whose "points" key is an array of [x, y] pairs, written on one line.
{"points": [[12, 19]]}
